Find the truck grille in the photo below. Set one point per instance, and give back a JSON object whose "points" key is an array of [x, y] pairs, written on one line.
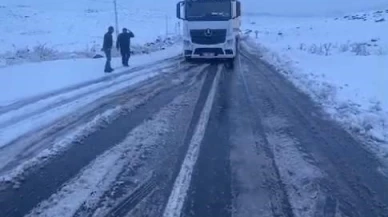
{"points": [[208, 36]]}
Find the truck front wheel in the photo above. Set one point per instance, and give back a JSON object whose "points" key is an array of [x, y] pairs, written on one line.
{"points": [[230, 63], [188, 59]]}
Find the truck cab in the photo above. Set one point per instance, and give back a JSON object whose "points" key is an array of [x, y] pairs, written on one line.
{"points": [[210, 28]]}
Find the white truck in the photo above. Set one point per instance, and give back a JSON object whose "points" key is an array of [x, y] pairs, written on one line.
{"points": [[211, 29]]}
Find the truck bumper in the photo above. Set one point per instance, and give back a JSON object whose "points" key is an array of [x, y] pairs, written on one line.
{"points": [[216, 51]]}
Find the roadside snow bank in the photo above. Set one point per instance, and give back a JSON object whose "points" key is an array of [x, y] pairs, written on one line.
{"points": [[43, 52], [27, 80], [342, 63]]}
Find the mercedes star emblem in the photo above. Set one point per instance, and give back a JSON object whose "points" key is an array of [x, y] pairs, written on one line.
{"points": [[208, 32]]}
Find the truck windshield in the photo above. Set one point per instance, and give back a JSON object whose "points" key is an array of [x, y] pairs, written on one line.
{"points": [[208, 11]]}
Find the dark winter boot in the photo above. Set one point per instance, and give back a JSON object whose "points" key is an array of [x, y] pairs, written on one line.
{"points": [[109, 70]]}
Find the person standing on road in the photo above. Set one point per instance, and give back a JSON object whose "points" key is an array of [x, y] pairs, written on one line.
{"points": [[123, 45], [107, 48]]}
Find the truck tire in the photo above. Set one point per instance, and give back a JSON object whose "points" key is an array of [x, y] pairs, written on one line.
{"points": [[188, 59], [230, 63]]}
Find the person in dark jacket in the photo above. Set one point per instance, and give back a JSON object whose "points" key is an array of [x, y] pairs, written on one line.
{"points": [[107, 48], [123, 44]]}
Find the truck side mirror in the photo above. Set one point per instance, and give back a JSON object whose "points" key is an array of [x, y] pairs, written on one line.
{"points": [[178, 10], [238, 9]]}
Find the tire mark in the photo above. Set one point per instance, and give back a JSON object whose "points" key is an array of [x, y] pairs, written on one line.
{"points": [[40, 185], [353, 191], [160, 173], [280, 201], [60, 102], [41, 138], [210, 193], [135, 198]]}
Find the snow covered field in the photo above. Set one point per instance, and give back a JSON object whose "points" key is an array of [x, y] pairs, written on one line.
{"points": [[342, 62], [45, 30], [298, 8], [78, 25]]}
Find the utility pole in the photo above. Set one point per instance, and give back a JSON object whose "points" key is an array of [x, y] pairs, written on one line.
{"points": [[166, 25], [116, 18]]}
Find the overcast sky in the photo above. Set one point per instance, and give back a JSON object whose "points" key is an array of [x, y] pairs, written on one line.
{"points": [[311, 7], [275, 7]]}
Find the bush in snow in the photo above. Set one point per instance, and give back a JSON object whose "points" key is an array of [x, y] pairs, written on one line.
{"points": [[302, 47], [360, 49], [344, 47], [322, 49], [22, 53], [327, 47], [315, 49], [42, 52], [38, 53]]}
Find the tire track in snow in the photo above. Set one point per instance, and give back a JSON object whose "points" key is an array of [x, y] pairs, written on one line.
{"points": [[210, 191], [80, 124], [25, 119], [23, 113], [80, 131], [40, 184], [135, 198], [182, 183], [300, 177], [101, 174], [297, 170], [170, 157], [275, 190], [352, 185], [98, 176]]}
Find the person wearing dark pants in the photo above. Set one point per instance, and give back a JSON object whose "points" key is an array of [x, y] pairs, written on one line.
{"points": [[125, 54], [107, 48], [123, 44]]}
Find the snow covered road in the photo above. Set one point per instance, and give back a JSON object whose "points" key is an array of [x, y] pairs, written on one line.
{"points": [[33, 129], [194, 140]]}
